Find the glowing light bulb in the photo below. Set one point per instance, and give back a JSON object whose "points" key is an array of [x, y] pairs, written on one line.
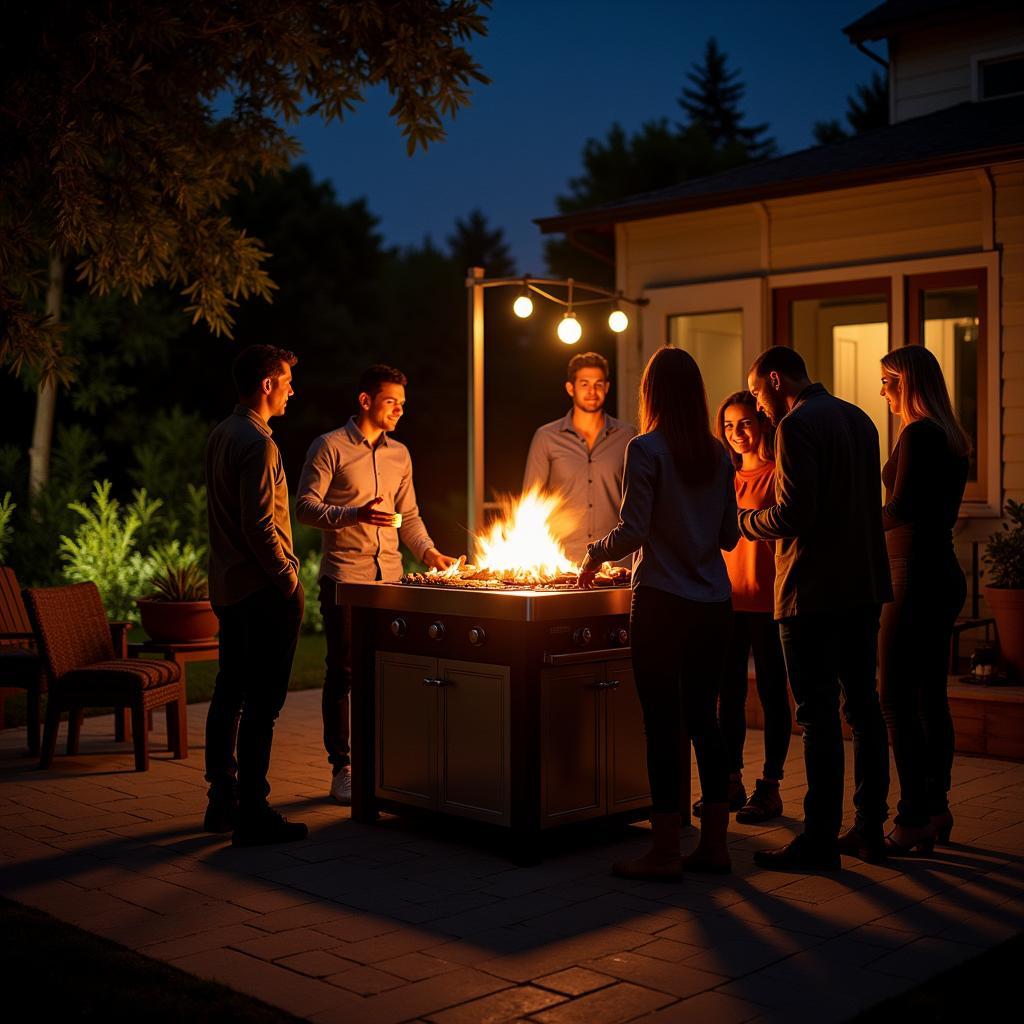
{"points": [[618, 321], [569, 330], [523, 306]]}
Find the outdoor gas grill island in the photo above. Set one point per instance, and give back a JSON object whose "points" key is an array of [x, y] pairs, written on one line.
{"points": [[512, 707]]}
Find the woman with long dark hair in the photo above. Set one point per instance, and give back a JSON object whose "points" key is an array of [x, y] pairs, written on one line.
{"points": [[924, 479], [747, 436], [678, 512]]}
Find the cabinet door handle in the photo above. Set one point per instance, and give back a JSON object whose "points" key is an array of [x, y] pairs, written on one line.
{"points": [[601, 684], [431, 681], [613, 684]]}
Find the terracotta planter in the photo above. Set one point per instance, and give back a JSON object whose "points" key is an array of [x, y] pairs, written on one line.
{"points": [[180, 622], [1008, 611]]}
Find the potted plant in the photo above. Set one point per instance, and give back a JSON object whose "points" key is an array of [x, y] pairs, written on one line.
{"points": [[1004, 556], [178, 608]]}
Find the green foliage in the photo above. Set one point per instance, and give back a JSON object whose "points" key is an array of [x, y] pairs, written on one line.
{"points": [[178, 573], [1004, 552], [309, 577], [867, 110], [122, 135], [103, 549], [7, 508], [474, 243]]}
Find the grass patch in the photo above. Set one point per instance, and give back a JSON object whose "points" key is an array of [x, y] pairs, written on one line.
{"points": [[64, 973], [307, 674]]}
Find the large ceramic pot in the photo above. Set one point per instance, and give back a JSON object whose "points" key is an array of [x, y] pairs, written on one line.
{"points": [[179, 622], [1008, 611]]}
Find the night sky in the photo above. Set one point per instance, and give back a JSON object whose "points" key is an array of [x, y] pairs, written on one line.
{"points": [[562, 71]]}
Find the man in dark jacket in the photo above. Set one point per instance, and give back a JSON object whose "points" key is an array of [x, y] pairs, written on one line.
{"points": [[831, 578], [255, 591]]}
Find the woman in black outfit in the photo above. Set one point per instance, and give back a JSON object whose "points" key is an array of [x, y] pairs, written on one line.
{"points": [[924, 480], [679, 510]]}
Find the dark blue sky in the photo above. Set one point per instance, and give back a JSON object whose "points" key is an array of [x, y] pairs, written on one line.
{"points": [[562, 71]]}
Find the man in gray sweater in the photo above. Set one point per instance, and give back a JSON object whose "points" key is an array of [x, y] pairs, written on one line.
{"points": [[831, 579], [356, 486], [255, 591]]}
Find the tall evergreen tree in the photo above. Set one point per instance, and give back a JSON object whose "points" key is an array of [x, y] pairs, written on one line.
{"points": [[474, 244], [712, 103]]}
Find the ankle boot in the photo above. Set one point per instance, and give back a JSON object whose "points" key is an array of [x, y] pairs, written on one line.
{"points": [[661, 862], [712, 852]]}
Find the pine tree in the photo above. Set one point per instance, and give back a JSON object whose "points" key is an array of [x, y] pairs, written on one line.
{"points": [[713, 104], [867, 109], [474, 244]]}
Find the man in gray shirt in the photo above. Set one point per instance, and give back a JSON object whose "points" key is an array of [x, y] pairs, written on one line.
{"points": [[581, 456], [255, 592], [354, 482]]}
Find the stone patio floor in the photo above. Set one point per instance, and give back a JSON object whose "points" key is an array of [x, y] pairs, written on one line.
{"points": [[394, 922]]}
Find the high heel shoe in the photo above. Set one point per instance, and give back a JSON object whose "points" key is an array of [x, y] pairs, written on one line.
{"points": [[911, 840], [943, 825]]}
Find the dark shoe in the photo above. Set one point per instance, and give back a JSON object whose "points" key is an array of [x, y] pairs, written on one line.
{"points": [[904, 839], [764, 804], [737, 798], [220, 817], [943, 824], [799, 855], [269, 827], [869, 848]]}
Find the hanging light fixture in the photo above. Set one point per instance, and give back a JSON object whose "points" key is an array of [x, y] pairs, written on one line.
{"points": [[617, 320], [569, 330], [523, 306]]}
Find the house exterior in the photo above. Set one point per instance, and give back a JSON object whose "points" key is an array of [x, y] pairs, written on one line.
{"points": [[912, 234]]}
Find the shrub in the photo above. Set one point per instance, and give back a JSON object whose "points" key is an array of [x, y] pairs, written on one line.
{"points": [[103, 549], [1004, 553], [178, 573], [7, 508], [309, 575]]}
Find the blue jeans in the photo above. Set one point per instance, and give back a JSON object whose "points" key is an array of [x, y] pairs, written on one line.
{"points": [[829, 654]]}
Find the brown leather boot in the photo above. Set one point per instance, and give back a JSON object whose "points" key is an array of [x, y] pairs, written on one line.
{"points": [[660, 863], [711, 855]]}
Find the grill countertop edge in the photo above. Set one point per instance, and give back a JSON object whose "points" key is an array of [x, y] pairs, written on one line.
{"points": [[511, 605]]}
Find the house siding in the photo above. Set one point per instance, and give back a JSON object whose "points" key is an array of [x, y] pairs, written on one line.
{"points": [[931, 67], [1009, 214]]}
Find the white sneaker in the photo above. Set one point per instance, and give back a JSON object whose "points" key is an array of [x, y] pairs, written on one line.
{"points": [[341, 787]]}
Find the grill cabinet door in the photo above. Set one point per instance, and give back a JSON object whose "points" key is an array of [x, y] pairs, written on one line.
{"points": [[572, 743], [407, 729], [473, 774], [628, 787]]}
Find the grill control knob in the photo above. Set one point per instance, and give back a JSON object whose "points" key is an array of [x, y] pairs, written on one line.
{"points": [[436, 631], [398, 627], [477, 636], [582, 636], [618, 636]]}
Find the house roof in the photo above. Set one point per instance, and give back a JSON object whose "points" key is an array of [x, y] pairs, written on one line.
{"points": [[967, 135], [895, 16]]}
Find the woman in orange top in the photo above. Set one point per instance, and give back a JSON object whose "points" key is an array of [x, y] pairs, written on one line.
{"points": [[747, 437]]}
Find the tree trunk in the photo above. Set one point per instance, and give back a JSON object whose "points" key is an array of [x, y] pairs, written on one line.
{"points": [[46, 396]]}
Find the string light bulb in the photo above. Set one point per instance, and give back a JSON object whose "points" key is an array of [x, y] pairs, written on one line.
{"points": [[617, 320], [569, 329], [523, 306]]}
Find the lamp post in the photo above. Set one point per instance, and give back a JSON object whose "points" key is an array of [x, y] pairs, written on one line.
{"points": [[569, 333]]}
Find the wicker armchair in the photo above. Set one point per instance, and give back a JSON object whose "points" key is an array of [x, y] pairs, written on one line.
{"points": [[83, 670], [21, 668]]}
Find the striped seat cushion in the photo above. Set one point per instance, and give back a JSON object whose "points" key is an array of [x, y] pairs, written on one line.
{"points": [[130, 673]]}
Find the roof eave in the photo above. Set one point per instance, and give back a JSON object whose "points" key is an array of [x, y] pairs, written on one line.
{"points": [[819, 183]]}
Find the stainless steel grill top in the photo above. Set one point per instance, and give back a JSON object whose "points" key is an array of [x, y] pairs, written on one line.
{"points": [[511, 605]]}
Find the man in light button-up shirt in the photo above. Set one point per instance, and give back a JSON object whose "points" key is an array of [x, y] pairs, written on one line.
{"points": [[581, 457], [354, 481]]}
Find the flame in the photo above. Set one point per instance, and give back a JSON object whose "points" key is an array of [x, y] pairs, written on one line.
{"points": [[521, 543]]}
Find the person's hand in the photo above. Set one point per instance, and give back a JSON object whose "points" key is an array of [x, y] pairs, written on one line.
{"points": [[588, 570], [369, 515], [435, 560]]}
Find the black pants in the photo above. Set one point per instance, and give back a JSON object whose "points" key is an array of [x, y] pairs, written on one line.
{"points": [[337, 694], [828, 654], [913, 654], [757, 630], [257, 645], [678, 655]]}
